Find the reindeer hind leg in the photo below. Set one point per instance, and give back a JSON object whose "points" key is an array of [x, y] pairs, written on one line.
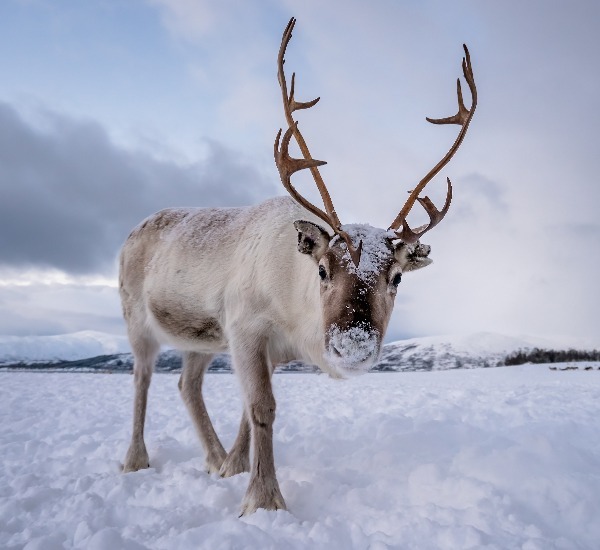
{"points": [[238, 458], [190, 385]]}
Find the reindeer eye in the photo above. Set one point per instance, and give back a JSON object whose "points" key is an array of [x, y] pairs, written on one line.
{"points": [[322, 273], [397, 278]]}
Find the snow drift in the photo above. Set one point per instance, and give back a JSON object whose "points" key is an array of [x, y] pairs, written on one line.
{"points": [[484, 458]]}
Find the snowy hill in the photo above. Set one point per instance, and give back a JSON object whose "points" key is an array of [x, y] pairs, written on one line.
{"points": [[481, 349], [94, 351]]}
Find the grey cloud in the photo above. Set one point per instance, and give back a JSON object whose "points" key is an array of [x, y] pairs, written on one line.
{"points": [[58, 309], [69, 196]]}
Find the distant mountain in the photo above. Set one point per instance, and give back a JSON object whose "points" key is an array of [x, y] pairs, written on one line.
{"points": [[482, 349], [168, 361], [98, 352]]}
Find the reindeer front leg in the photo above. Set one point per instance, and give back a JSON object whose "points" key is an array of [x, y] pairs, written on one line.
{"points": [[238, 458], [252, 367], [145, 350]]}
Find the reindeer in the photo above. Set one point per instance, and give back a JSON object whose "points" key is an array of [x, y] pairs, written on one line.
{"points": [[269, 283]]}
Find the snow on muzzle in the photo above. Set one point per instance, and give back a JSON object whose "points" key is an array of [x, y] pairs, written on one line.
{"points": [[352, 350]]}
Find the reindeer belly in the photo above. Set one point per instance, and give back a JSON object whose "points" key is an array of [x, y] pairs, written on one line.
{"points": [[187, 328]]}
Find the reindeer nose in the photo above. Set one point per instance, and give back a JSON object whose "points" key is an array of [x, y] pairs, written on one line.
{"points": [[353, 345]]}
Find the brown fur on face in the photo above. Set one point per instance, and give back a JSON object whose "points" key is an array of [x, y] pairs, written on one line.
{"points": [[350, 303], [357, 301]]}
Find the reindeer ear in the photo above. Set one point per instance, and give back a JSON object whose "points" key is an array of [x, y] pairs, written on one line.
{"points": [[312, 238], [413, 256]]}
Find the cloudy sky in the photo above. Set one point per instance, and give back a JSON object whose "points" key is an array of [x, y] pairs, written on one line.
{"points": [[111, 110]]}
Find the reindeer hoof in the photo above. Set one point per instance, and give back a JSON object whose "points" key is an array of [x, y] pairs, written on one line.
{"points": [[234, 464], [133, 467], [213, 464], [136, 459], [262, 495]]}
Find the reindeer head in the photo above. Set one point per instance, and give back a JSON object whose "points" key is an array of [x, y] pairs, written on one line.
{"points": [[359, 267], [357, 300]]}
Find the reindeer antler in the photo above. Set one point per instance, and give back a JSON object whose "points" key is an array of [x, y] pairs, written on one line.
{"points": [[462, 118], [288, 165]]}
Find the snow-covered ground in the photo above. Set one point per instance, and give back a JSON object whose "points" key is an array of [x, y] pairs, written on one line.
{"points": [[487, 458]]}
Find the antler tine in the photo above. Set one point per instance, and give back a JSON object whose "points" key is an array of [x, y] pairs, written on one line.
{"points": [[462, 118], [288, 165], [411, 236]]}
